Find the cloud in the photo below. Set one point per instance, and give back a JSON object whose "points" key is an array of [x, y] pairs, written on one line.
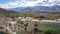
{"points": [[9, 4], [30, 3], [18, 4]]}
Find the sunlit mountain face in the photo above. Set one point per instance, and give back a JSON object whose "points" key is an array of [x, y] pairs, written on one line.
{"points": [[28, 3]]}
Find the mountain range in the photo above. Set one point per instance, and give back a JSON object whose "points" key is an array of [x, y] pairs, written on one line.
{"points": [[32, 10], [37, 9]]}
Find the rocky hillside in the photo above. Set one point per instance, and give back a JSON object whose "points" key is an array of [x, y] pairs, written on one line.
{"points": [[4, 12]]}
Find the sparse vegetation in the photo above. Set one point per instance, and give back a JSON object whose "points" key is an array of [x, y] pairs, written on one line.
{"points": [[1, 32], [49, 31]]}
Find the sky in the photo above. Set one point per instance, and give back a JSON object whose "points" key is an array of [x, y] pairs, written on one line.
{"points": [[27, 3]]}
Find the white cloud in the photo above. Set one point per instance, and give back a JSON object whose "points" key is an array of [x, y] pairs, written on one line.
{"points": [[25, 3], [9, 5]]}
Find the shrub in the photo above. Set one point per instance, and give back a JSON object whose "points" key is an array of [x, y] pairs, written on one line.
{"points": [[49, 31]]}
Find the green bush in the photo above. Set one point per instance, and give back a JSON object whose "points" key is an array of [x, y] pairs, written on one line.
{"points": [[49, 31]]}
